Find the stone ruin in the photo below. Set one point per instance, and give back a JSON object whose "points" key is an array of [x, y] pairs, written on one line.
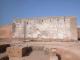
{"points": [[56, 36], [46, 28]]}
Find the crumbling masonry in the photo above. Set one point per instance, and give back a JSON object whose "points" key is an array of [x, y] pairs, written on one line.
{"points": [[56, 36]]}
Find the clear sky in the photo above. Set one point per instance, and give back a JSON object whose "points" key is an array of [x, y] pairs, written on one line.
{"points": [[31, 8]]}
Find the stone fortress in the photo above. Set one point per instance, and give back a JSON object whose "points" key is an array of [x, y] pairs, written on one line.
{"points": [[42, 38]]}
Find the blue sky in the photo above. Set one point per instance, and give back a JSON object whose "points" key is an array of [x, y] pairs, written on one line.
{"points": [[31, 8]]}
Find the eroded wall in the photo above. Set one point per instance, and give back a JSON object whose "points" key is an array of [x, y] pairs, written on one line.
{"points": [[47, 28]]}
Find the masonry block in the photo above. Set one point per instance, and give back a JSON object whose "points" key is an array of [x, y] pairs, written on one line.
{"points": [[18, 51]]}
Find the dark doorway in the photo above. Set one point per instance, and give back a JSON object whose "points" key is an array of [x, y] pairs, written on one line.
{"points": [[4, 47], [26, 51], [59, 57]]}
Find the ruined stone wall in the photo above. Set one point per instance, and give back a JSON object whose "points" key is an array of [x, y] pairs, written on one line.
{"points": [[46, 28]]}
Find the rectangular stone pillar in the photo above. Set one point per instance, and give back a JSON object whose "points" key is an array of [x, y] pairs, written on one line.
{"points": [[17, 52], [53, 55], [14, 51]]}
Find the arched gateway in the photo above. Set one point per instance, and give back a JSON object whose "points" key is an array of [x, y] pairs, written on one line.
{"points": [[56, 36]]}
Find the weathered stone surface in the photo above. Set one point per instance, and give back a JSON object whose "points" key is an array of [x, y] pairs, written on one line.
{"points": [[47, 28], [44, 34], [14, 51], [18, 51]]}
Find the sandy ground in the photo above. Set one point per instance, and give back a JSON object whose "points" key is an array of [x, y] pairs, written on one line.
{"points": [[37, 55], [41, 55]]}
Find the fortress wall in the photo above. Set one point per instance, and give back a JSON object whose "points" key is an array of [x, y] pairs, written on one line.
{"points": [[47, 28]]}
